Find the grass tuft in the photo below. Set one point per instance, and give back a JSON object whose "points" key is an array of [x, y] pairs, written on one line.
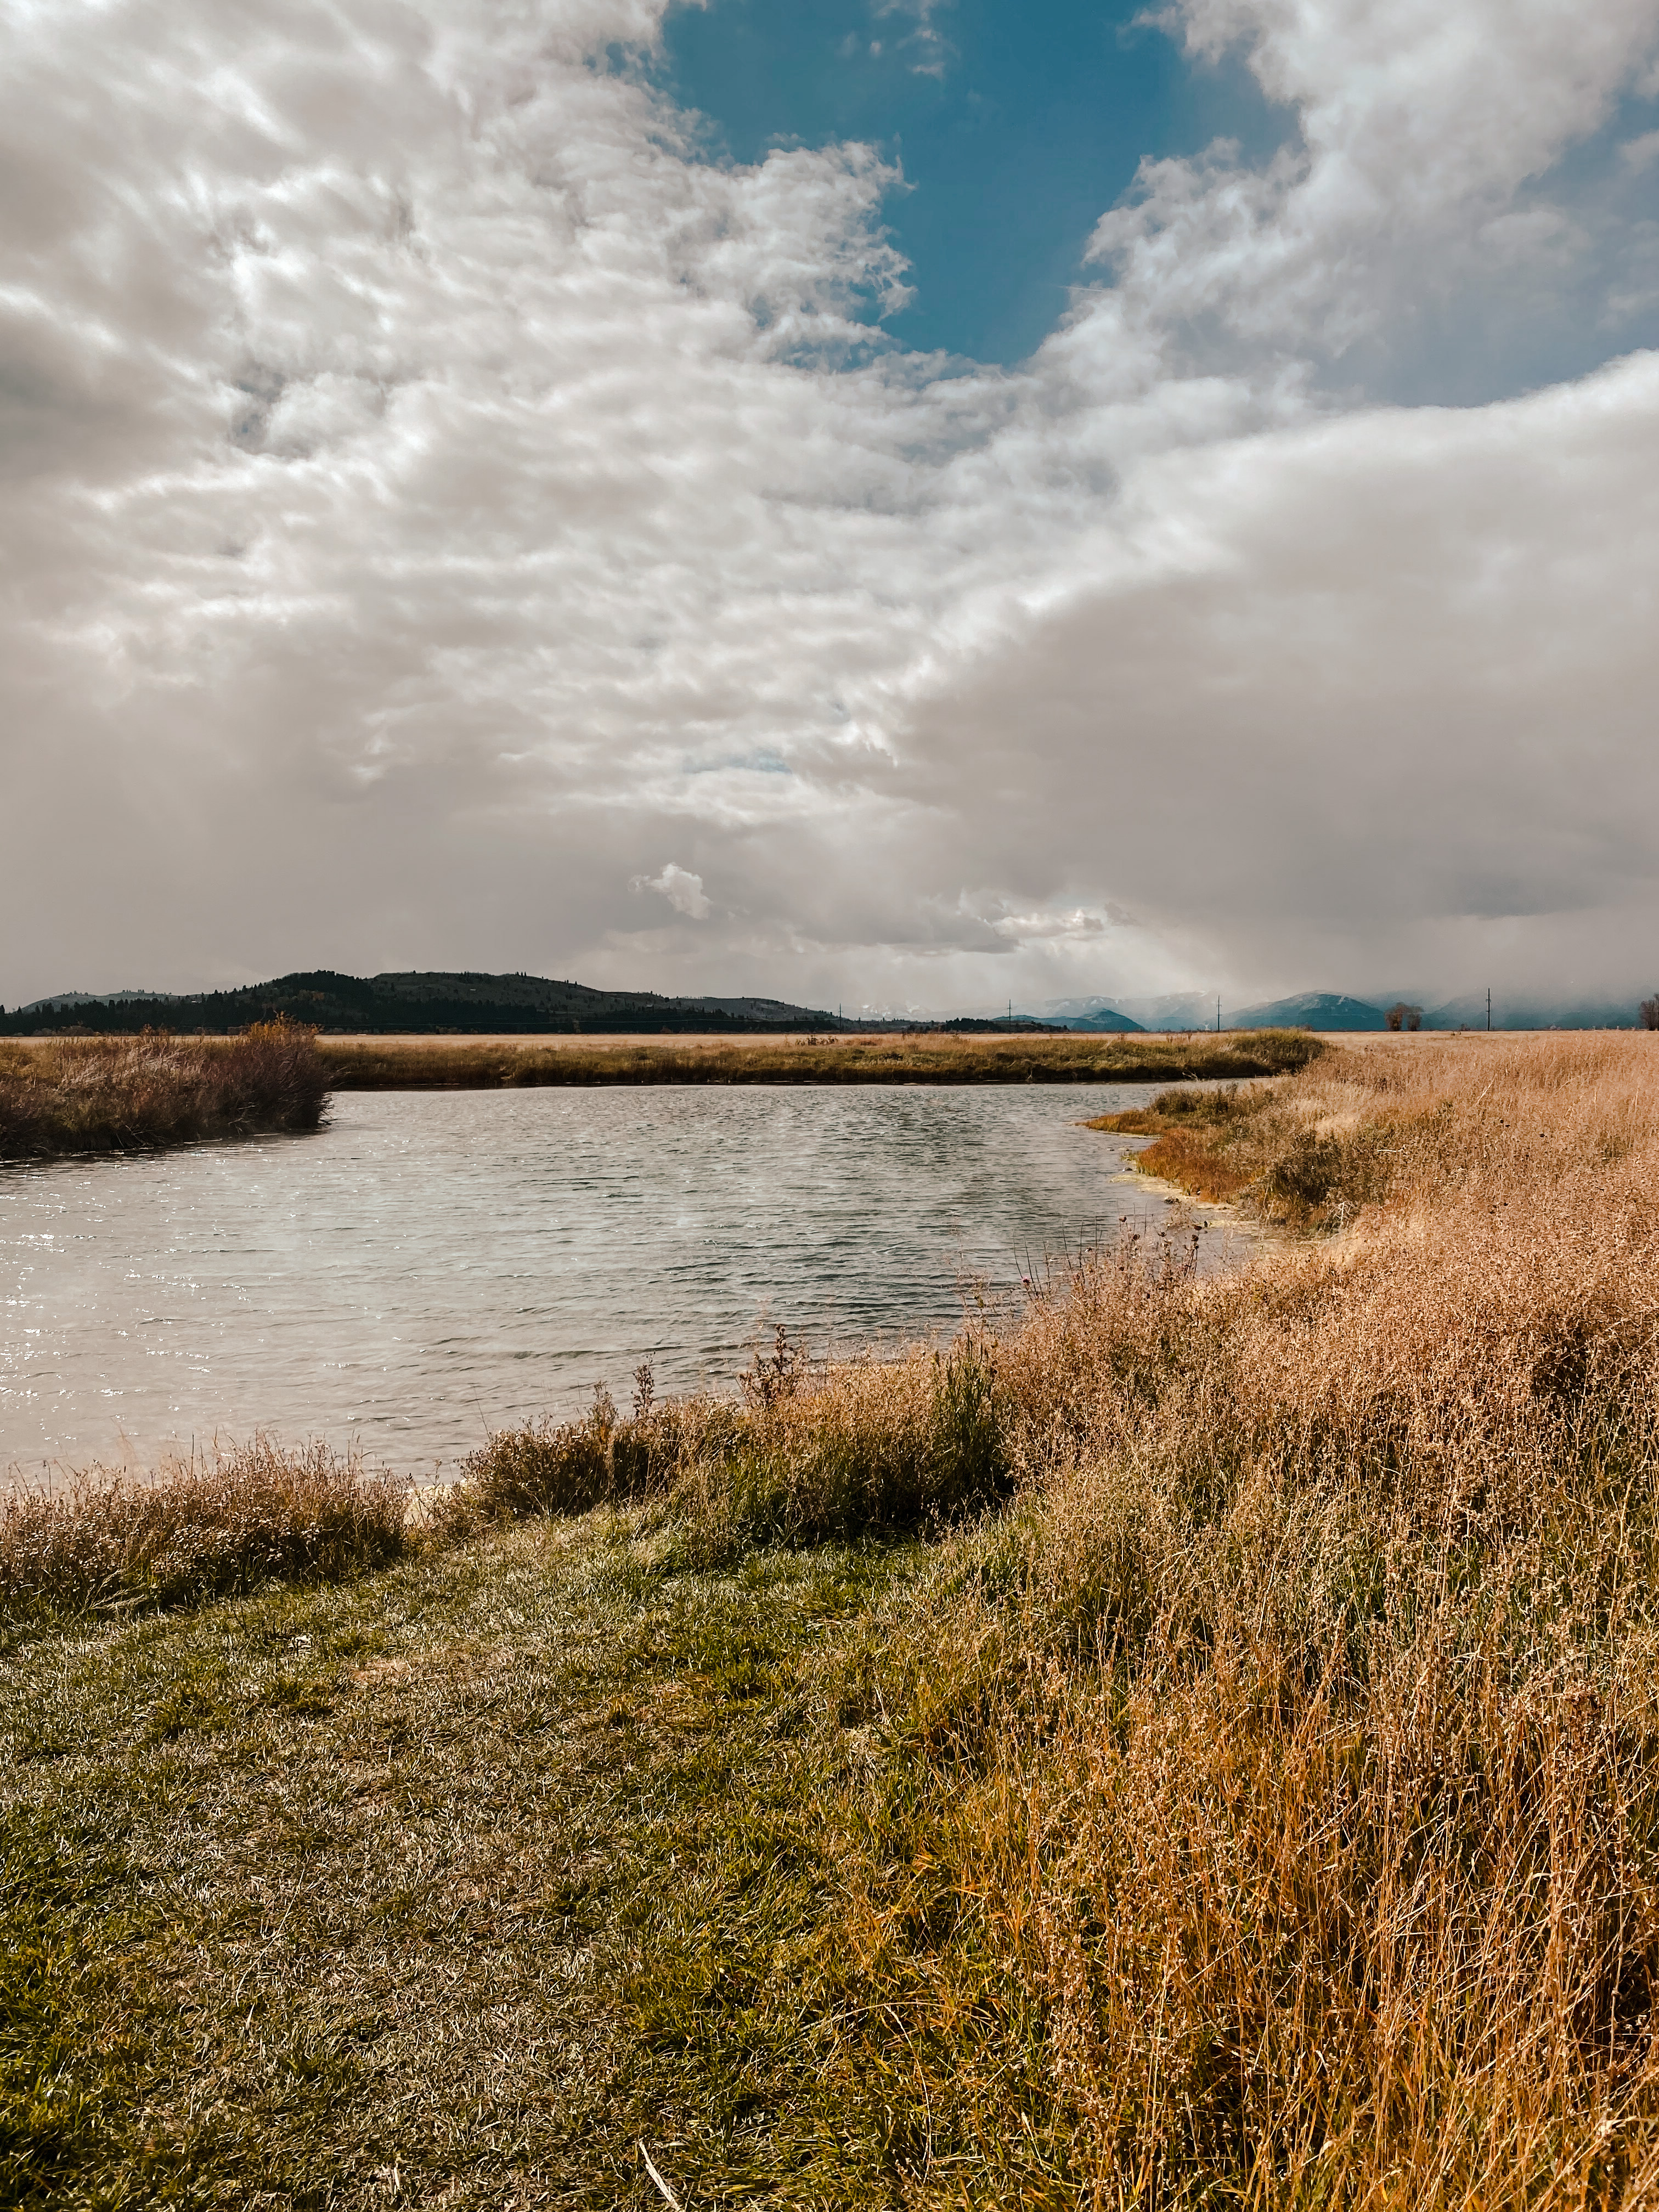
{"points": [[257, 1514], [130, 1094], [859, 1448]]}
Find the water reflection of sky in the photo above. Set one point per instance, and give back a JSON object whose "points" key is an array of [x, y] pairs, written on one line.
{"points": [[433, 1265]]}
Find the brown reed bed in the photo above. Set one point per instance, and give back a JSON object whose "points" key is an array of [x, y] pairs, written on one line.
{"points": [[473, 1064], [1198, 1744], [131, 1094]]}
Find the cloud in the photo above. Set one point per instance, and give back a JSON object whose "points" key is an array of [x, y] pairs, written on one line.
{"points": [[683, 891], [1379, 702], [435, 490], [1415, 124]]}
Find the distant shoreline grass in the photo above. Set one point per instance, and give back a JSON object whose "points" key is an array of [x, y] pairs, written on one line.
{"points": [[1198, 1744], [1362, 1128], [131, 1094], [461, 1063]]}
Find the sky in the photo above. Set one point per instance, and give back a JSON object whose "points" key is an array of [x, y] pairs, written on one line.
{"points": [[909, 503]]}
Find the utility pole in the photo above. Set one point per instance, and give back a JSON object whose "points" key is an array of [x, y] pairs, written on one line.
{"points": [[1218, 1014], [1489, 1006]]}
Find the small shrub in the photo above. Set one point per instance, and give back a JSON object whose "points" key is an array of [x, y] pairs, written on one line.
{"points": [[1316, 1179], [570, 1466], [1188, 1103], [1276, 1052]]}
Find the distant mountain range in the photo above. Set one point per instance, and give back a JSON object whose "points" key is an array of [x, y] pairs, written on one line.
{"points": [[1333, 1010], [466, 1004], [1311, 1010], [1324, 1010], [1092, 1014]]}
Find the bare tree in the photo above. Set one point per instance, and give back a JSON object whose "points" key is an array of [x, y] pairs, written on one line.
{"points": [[1400, 1015], [1649, 1011]]}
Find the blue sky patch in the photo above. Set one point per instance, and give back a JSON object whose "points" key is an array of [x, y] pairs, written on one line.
{"points": [[1016, 125]]}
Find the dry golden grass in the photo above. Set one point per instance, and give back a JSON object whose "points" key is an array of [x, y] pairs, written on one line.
{"points": [[1275, 1815], [1410, 1120], [856, 1448], [1315, 1815], [1181, 1156], [121, 1094]]}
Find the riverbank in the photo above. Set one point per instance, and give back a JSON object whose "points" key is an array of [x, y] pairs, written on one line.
{"points": [[1198, 1744], [1385, 1118], [70, 1094]]}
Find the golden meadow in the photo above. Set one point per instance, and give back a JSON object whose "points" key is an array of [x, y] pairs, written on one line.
{"points": [[1189, 1742]]}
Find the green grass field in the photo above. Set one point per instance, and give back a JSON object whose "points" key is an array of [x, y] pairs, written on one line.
{"points": [[453, 1885]]}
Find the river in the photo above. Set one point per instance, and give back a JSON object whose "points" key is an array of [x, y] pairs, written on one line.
{"points": [[430, 1265]]}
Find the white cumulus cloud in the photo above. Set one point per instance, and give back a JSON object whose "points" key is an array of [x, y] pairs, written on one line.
{"points": [[681, 888]]}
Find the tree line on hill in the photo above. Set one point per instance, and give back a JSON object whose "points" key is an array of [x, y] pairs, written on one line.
{"points": [[440, 1004]]}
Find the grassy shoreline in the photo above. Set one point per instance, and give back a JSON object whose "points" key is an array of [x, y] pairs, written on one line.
{"points": [[1199, 1745]]}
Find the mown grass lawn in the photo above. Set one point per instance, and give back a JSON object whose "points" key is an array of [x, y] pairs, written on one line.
{"points": [[449, 1886]]}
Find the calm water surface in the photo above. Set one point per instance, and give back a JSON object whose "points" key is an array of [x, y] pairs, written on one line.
{"points": [[430, 1265]]}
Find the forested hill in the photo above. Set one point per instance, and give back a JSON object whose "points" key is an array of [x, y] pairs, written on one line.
{"points": [[417, 1003]]}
